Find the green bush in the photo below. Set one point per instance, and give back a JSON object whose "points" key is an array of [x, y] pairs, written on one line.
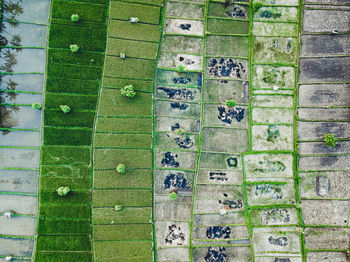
{"points": [[181, 69], [128, 91], [75, 17], [330, 140], [173, 195], [118, 208], [74, 48], [121, 168], [65, 109], [230, 103], [256, 6], [36, 106], [63, 190]]}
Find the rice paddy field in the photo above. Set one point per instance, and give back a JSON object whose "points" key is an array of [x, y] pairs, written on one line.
{"points": [[175, 130]]}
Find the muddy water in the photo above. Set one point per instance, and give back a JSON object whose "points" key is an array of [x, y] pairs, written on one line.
{"points": [[22, 70]]}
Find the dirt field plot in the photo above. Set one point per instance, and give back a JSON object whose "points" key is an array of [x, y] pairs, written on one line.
{"points": [[182, 44], [176, 159], [221, 90], [184, 27], [272, 137], [219, 67], [184, 10], [221, 115], [173, 60], [274, 216], [175, 141], [285, 14]]}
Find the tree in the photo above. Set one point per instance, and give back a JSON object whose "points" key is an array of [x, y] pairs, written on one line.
{"points": [[65, 109], [121, 168], [74, 48], [128, 91], [63, 190], [75, 17]]}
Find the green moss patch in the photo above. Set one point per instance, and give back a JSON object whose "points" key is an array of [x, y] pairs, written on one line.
{"points": [[145, 14], [124, 125], [137, 178], [129, 198], [110, 158]]}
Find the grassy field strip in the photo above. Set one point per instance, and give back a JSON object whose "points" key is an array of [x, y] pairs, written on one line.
{"points": [[123, 135], [322, 109], [22, 74], [73, 79], [271, 184]]}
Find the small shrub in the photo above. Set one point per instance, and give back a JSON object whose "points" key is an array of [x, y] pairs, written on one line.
{"points": [[75, 17], [128, 91], [74, 48], [36, 106], [179, 131], [65, 109], [121, 168], [118, 208], [230, 103], [181, 69], [256, 6], [173, 195], [330, 140], [122, 55], [63, 190]]}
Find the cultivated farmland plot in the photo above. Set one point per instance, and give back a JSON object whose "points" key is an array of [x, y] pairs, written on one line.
{"points": [[174, 131]]}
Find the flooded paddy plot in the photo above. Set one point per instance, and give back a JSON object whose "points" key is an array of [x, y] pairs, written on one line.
{"points": [[268, 166], [283, 239], [225, 26], [20, 204], [231, 218], [222, 90], [171, 60], [172, 234], [178, 93], [29, 60], [174, 211], [325, 21], [272, 137], [220, 161], [327, 237], [274, 216], [273, 115], [185, 10], [214, 206], [184, 27], [17, 226], [20, 98], [182, 44], [20, 138], [17, 246], [317, 45], [324, 162], [342, 147], [275, 49], [227, 45], [324, 95], [176, 159], [324, 69], [225, 140], [219, 67], [212, 253], [177, 109], [219, 177], [325, 212], [185, 79], [168, 180], [34, 11], [325, 185], [221, 115], [266, 77], [18, 181], [228, 10], [24, 82], [167, 123], [173, 254], [270, 193], [283, 14], [316, 130], [272, 101], [324, 114], [274, 29], [175, 141], [218, 192], [19, 158]]}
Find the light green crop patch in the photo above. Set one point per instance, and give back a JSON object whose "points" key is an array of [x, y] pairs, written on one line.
{"points": [[182, 44], [227, 45], [126, 215], [283, 14], [229, 10], [223, 26], [130, 198], [123, 140], [122, 232], [267, 77], [275, 49]]}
